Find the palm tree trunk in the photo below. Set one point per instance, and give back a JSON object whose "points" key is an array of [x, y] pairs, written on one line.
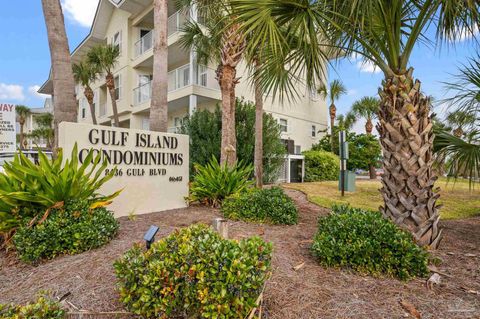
{"points": [[22, 134], [258, 155], [369, 130], [406, 135], [64, 102], [226, 79], [111, 89], [90, 95], [159, 103], [333, 115]]}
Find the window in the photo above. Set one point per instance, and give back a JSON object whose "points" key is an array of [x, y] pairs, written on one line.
{"points": [[84, 108], [298, 150], [118, 87], [146, 123], [283, 125], [203, 75], [117, 41], [314, 131]]}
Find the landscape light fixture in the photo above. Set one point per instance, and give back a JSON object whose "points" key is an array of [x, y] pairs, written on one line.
{"points": [[150, 236]]}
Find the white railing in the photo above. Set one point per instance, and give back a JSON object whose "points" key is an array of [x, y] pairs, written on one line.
{"points": [[175, 24], [143, 93], [178, 79], [176, 21], [144, 44]]}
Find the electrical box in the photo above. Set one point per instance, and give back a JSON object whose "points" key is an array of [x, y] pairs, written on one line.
{"points": [[349, 181]]}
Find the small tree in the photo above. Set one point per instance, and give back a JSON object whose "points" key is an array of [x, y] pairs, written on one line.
{"points": [[22, 113], [44, 130], [367, 108], [333, 92]]}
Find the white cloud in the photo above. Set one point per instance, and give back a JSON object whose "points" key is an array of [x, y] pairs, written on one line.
{"points": [[33, 90], [11, 92], [80, 11], [465, 34], [368, 67], [352, 92]]}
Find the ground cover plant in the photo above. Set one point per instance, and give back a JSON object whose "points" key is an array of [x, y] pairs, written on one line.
{"points": [[458, 200], [213, 182], [195, 273], [321, 166], [366, 242], [270, 205], [43, 308], [70, 229]]}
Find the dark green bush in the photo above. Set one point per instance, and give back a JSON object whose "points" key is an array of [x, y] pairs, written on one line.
{"points": [[194, 273], [71, 229], [368, 243], [42, 308], [321, 166], [265, 205], [213, 182], [204, 128]]}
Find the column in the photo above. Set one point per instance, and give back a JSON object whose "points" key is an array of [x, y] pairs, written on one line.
{"points": [[288, 168], [192, 104]]}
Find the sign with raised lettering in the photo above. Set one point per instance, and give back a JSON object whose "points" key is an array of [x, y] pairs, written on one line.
{"points": [[152, 168], [8, 136]]}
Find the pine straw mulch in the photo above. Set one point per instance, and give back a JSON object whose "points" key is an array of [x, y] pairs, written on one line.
{"points": [[308, 292]]}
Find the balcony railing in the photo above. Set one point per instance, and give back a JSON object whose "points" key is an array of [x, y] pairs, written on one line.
{"points": [[175, 24], [178, 79]]}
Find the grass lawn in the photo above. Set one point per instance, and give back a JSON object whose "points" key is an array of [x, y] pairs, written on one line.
{"points": [[457, 199]]}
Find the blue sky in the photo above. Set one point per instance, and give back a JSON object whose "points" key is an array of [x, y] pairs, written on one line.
{"points": [[25, 57]]}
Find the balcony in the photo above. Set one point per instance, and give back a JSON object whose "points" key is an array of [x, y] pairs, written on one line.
{"points": [[178, 79], [175, 24]]}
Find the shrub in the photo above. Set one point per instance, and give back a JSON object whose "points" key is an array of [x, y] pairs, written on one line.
{"points": [[213, 182], [196, 273], [364, 150], [204, 128], [262, 205], [368, 243], [51, 182], [42, 308], [71, 229], [321, 166]]}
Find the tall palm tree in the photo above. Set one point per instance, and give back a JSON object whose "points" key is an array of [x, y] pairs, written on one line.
{"points": [[367, 108], [333, 92], [104, 58], [219, 41], [85, 73], [385, 33], [345, 122], [258, 152], [22, 113], [159, 103], [64, 101]]}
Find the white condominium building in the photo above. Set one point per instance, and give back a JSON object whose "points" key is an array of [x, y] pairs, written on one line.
{"points": [[129, 24]]}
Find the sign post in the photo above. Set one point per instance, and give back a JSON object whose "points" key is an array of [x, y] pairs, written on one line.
{"points": [[8, 136], [343, 159]]}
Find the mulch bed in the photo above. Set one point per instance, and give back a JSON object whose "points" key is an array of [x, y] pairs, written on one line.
{"points": [[309, 292]]}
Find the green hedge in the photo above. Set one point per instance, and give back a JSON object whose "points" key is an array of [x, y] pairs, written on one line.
{"points": [[368, 243], [42, 308], [321, 166], [71, 229], [265, 205], [194, 273]]}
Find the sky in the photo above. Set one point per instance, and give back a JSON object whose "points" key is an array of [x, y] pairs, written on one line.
{"points": [[25, 56]]}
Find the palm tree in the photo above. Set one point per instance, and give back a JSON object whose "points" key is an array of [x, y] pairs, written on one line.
{"points": [[85, 73], [258, 152], [460, 121], [385, 33], [334, 91], [64, 101], [104, 59], [22, 113], [159, 103], [221, 42], [345, 122], [44, 129], [367, 108]]}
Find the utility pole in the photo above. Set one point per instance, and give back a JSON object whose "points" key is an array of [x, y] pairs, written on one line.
{"points": [[343, 159]]}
